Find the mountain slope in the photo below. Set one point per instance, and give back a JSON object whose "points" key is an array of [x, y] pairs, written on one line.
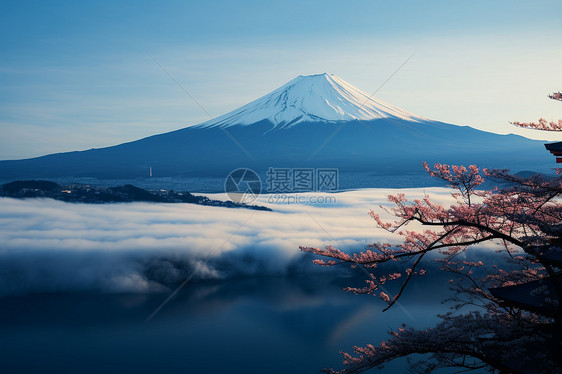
{"points": [[313, 98], [312, 121]]}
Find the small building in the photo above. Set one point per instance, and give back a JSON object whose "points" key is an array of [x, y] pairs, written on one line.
{"points": [[537, 296], [540, 296], [556, 150]]}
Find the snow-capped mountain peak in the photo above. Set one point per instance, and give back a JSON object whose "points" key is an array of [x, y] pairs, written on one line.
{"points": [[312, 98]]}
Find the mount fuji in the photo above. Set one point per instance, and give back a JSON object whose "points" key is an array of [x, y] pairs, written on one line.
{"points": [[312, 98], [312, 121]]}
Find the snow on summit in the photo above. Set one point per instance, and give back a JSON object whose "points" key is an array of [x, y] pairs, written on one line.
{"points": [[312, 98]]}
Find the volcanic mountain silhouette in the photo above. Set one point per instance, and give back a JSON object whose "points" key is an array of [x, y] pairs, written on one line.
{"points": [[312, 121]]}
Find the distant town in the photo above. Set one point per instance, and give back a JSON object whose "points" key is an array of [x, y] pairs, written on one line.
{"points": [[80, 193]]}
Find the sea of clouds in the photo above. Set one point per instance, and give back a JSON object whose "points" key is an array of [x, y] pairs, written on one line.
{"points": [[53, 246]]}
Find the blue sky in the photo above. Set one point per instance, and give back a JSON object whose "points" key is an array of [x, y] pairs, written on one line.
{"points": [[77, 75]]}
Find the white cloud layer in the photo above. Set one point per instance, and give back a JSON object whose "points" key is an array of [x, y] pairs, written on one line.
{"points": [[52, 246]]}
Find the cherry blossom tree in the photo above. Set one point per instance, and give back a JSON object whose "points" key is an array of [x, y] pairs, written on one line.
{"points": [[524, 218], [543, 124]]}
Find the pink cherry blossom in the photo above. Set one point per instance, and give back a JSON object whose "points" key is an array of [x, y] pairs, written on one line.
{"points": [[521, 219]]}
